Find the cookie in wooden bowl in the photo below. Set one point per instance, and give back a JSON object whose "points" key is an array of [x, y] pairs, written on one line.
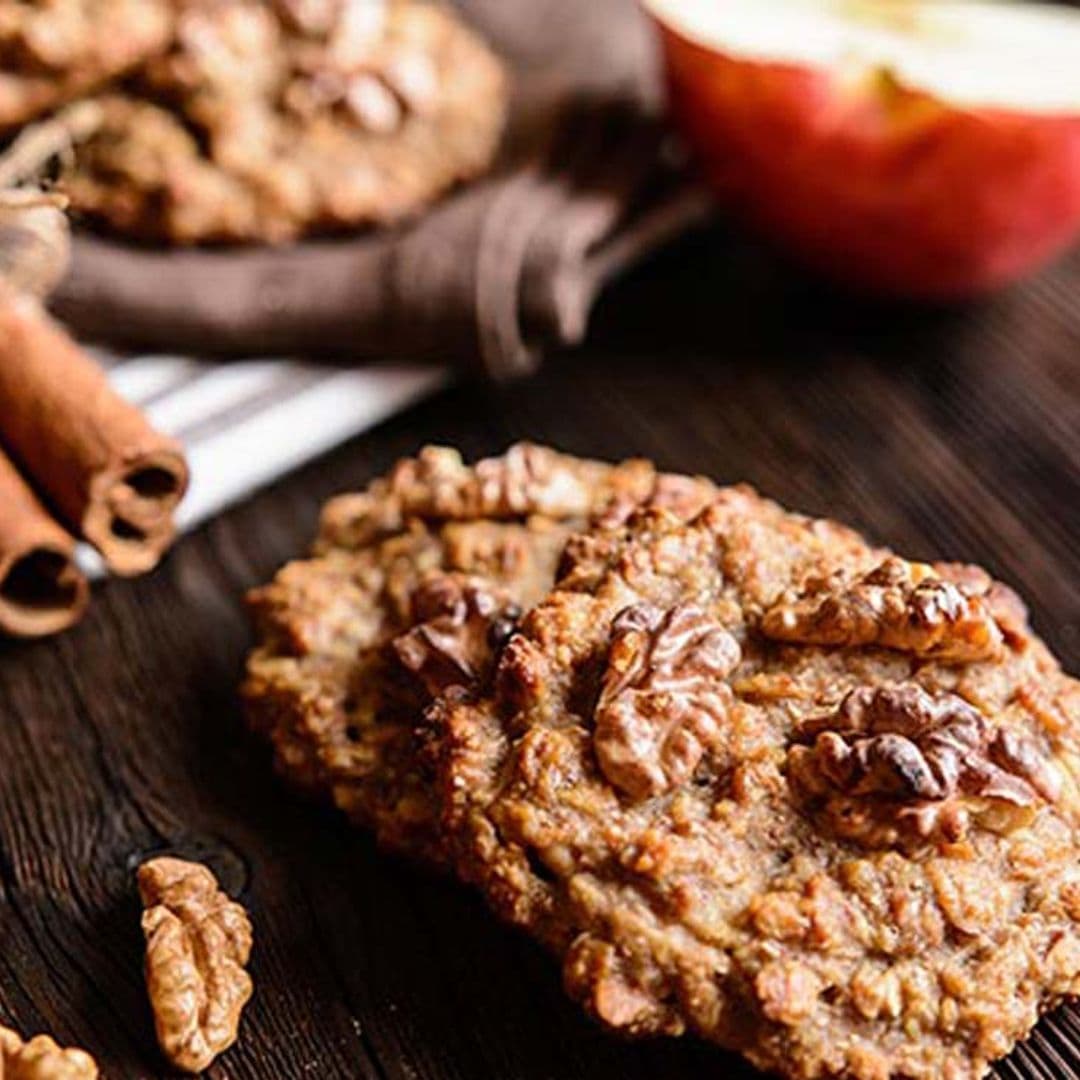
{"points": [[266, 122]]}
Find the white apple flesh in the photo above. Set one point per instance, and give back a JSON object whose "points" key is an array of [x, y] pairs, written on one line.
{"points": [[915, 147]]}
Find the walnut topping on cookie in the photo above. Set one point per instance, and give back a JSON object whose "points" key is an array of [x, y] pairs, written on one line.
{"points": [[663, 698], [197, 946], [528, 477], [862, 859], [40, 1058], [897, 605], [896, 757], [527, 480], [351, 64], [459, 621]]}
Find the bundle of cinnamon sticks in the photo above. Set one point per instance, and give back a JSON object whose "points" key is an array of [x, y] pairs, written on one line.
{"points": [[75, 458]]}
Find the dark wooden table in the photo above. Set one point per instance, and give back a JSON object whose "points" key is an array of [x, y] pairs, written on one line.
{"points": [[941, 433]]}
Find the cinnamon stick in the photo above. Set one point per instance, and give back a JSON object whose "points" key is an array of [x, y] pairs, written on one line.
{"points": [[111, 477], [41, 590]]}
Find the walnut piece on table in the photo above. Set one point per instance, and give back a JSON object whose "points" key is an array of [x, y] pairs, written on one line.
{"points": [[664, 700], [198, 942], [40, 1058]]}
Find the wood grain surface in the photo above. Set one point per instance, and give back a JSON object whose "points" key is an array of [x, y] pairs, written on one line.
{"points": [[942, 433]]}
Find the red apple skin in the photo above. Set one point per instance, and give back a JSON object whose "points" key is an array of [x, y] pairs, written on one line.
{"points": [[877, 186]]}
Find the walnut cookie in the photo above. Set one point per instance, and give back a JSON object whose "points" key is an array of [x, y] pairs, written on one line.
{"points": [[752, 778], [415, 585], [267, 121], [51, 51]]}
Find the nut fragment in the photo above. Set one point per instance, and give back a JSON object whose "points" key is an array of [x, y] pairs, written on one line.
{"points": [[350, 19], [40, 1058], [524, 477], [1008, 610], [197, 943], [456, 617], [918, 761], [898, 605], [34, 241], [348, 58], [373, 104], [664, 699]]}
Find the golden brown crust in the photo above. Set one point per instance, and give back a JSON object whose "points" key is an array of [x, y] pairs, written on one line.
{"points": [[265, 122], [51, 51], [198, 943], [40, 1058], [416, 585], [733, 895]]}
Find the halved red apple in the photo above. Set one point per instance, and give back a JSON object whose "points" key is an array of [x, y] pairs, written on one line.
{"points": [[917, 147]]}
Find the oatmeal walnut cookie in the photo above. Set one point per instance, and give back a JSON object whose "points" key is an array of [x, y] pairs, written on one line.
{"points": [[52, 51], [40, 1058], [415, 587], [723, 898], [269, 121], [198, 943]]}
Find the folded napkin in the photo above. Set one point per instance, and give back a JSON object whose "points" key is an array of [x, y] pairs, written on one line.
{"points": [[493, 275], [245, 423]]}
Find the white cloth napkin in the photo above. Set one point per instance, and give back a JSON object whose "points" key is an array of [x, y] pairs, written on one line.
{"points": [[245, 423]]}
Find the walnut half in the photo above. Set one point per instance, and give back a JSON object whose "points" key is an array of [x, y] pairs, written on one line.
{"points": [[40, 1058], [898, 605], [896, 758], [197, 944], [355, 54], [664, 697], [460, 623]]}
